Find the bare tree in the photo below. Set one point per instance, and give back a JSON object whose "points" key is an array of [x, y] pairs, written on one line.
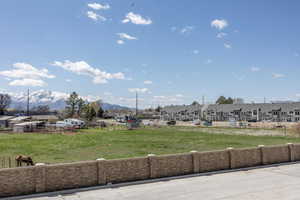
{"points": [[5, 101]]}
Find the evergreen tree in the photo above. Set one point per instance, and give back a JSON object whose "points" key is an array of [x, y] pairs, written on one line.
{"points": [[72, 102]]}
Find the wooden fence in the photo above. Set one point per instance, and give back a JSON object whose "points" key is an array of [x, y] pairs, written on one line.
{"points": [[7, 162]]}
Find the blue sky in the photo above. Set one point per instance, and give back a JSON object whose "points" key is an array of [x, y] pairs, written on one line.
{"points": [[172, 52]]}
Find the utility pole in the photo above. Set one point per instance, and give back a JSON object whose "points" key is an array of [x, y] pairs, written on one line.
{"points": [[136, 104], [28, 102], [203, 102]]}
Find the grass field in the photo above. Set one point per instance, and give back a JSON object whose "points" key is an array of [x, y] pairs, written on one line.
{"points": [[91, 144]]}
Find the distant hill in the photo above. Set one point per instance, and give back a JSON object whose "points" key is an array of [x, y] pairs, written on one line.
{"points": [[55, 100]]}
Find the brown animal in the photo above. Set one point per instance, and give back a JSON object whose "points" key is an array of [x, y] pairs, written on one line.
{"points": [[24, 159]]}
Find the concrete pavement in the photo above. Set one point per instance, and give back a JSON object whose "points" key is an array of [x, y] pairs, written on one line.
{"points": [[278, 182]]}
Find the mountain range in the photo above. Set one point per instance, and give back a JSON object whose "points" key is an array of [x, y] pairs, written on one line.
{"points": [[55, 100]]}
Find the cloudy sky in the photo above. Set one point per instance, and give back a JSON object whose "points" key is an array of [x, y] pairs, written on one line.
{"points": [[170, 52]]}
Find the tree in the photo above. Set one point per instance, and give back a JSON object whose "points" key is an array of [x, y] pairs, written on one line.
{"points": [[90, 112], [72, 102], [229, 100], [158, 109], [223, 100], [80, 106], [100, 112], [195, 103], [5, 101], [97, 105]]}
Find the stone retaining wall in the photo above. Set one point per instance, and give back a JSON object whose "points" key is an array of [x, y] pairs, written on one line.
{"points": [[45, 178]]}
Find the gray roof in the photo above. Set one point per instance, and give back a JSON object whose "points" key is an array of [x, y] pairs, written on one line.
{"points": [[44, 117], [179, 108], [29, 123], [21, 118], [4, 118], [264, 107]]}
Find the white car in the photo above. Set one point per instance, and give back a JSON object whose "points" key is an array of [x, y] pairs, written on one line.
{"points": [[74, 123], [61, 124]]}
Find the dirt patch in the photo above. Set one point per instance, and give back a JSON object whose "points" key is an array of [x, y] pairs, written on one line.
{"points": [[70, 133], [240, 131]]}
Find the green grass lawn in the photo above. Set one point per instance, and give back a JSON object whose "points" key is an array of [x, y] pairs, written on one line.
{"points": [[91, 144]]}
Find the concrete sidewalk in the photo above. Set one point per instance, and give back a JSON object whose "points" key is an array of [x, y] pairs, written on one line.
{"points": [[278, 182]]}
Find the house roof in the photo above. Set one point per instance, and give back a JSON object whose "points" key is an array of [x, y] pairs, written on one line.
{"points": [[4, 118], [264, 107], [29, 123], [20, 118], [44, 117]]}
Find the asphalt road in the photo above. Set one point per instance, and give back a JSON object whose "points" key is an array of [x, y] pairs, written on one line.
{"points": [[278, 182]]}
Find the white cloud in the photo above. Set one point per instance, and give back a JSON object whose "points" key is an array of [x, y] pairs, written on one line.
{"points": [[28, 82], [195, 51], [277, 75], [120, 41], [139, 90], [94, 16], [83, 68], [24, 70], [136, 19], [126, 36], [227, 46], [179, 95], [296, 54], [68, 80], [255, 69], [221, 35], [25, 74], [219, 24], [186, 29], [147, 82], [98, 6]]}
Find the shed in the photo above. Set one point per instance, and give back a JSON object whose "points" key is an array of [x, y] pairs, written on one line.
{"points": [[18, 120], [4, 121], [27, 126], [45, 118]]}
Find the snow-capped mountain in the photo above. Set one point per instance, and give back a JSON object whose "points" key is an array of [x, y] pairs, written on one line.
{"points": [[55, 100]]}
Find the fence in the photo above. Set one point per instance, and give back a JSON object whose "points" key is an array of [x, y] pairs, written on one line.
{"points": [[7, 162], [46, 178]]}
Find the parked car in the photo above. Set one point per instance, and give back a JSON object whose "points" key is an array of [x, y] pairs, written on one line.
{"points": [[61, 124], [207, 123], [197, 122], [70, 123], [120, 119], [172, 122]]}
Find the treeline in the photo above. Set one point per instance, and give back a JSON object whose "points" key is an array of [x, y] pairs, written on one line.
{"points": [[75, 107], [79, 108], [5, 101]]}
